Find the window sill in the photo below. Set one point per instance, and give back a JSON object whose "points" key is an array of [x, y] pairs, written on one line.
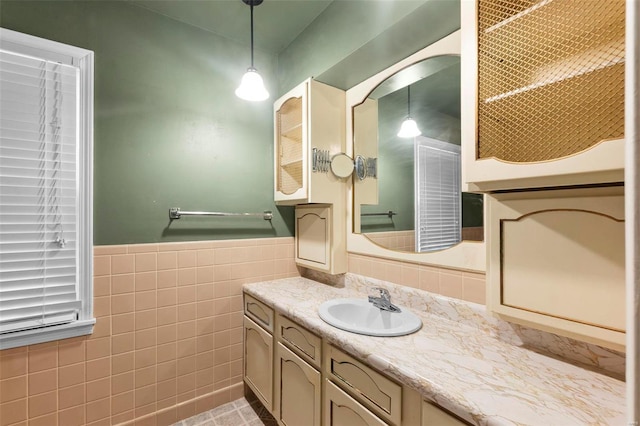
{"points": [[48, 334]]}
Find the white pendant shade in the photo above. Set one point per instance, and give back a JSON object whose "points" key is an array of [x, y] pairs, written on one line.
{"points": [[252, 87], [409, 129]]}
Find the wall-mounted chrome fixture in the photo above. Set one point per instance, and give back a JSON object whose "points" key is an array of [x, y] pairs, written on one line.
{"points": [[366, 167], [320, 160], [176, 213], [252, 87], [409, 128]]}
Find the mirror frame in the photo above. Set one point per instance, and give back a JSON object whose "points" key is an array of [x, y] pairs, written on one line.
{"points": [[467, 255]]}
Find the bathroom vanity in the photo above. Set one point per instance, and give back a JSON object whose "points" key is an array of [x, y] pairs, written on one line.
{"points": [[461, 367]]}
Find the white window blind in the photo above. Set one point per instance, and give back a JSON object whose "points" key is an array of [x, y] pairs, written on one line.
{"points": [[41, 196], [438, 199]]}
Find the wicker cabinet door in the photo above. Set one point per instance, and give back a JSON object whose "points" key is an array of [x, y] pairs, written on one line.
{"points": [[548, 92]]}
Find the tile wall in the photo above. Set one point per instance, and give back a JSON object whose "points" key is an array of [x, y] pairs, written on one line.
{"points": [[167, 343], [168, 340], [469, 286]]}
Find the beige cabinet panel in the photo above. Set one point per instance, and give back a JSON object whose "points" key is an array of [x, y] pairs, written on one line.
{"points": [[259, 312], [342, 410], [365, 143], [300, 340], [310, 116], [372, 389], [320, 240], [258, 361], [298, 390], [542, 93], [434, 416], [557, 260]]}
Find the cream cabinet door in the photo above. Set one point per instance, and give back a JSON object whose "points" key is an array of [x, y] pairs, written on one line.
{"points": [[342, 410], [298, 390], [258, 362], [313, 236], [557, 262]]}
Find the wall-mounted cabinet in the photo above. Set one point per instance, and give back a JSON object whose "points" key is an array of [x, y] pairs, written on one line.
{"points": [[543, 104], [309, 129], [557, 261], [320, 240]]}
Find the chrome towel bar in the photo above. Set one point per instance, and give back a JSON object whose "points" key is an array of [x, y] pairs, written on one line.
{"points": [[176, 213], [390, 214]]}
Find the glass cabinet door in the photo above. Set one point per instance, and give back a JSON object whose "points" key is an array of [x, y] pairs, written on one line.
{"points": [[290, 147]]}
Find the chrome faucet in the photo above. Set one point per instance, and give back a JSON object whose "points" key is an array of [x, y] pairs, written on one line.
{"points": [[383, 301]]}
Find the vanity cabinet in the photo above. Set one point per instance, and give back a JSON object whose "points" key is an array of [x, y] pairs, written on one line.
{"points": [[320, 238], [543, 94], [379, 394], [305, 381], [309, 130], [557, 261], [297, 377], [258, 362], [298, 392], [258, 349], [343, 410], [434, 416]]}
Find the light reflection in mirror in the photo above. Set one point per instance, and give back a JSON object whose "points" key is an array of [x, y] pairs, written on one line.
{"points": [[431, 213]]}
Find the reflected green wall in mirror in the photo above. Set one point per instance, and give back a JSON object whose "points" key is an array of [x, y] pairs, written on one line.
{"points": [[435, 106]]}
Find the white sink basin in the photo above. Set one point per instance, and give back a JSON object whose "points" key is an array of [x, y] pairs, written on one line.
{"points": [[360, 316]]}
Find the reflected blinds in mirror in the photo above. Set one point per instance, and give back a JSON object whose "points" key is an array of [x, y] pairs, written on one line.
{"points": [[438, 201]]}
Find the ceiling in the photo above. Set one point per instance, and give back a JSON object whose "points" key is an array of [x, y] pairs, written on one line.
{"points": [[276, 22]]}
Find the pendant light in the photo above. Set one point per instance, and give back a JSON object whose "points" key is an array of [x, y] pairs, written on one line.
{"points": [[409, 128], [252, 87]]}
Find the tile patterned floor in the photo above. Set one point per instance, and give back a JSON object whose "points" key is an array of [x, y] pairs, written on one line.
{"points": [[236, 413]]}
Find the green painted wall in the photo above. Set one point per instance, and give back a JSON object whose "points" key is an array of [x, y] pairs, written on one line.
{"points": [[353, 40], [169, 131]]}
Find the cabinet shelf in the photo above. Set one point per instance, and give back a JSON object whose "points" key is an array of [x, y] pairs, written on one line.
{"points": [[556, 28], [294, 133], [558, 79], [290, 163]]}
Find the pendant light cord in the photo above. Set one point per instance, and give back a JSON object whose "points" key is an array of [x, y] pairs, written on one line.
{"points": [[408, 100], [251, 6]]}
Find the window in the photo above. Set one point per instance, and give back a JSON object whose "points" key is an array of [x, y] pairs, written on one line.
{"points": [[438, 197], [46, 141]]}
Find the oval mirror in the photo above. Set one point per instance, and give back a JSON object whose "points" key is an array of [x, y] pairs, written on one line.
{"points": [[342, 165], [415, 203]]}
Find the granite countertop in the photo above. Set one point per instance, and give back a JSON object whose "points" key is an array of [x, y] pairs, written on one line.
{"points": [[459, 365]]}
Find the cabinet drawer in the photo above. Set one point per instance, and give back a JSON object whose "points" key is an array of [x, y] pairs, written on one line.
{"points": [[259, 312], [434, 416], [342, 410], [375, 391], [300, 340]]}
